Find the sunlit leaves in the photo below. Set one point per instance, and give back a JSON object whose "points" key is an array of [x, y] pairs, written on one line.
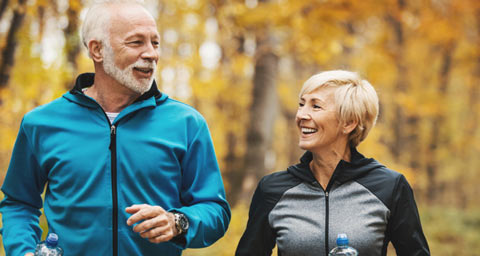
{"points": [[208, 53]]}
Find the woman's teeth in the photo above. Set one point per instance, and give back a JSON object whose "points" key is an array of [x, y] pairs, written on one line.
{"points": [[308, 130]]}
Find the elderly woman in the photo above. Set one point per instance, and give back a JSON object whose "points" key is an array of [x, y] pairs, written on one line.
{"points": [[334, 189]]}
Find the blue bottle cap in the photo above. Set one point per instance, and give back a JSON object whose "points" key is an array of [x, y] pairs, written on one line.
{"points": [[342, 240], [52, 240]]}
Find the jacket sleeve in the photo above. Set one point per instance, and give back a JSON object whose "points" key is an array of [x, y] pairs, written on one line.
{"points": [[405, 228], [259, 238], [202, 193], [20, 208]]}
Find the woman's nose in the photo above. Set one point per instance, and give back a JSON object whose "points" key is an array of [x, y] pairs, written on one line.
{"points": [[302, 113]]}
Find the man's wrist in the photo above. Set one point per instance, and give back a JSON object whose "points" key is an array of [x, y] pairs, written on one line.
{"points": [[181, 223]]}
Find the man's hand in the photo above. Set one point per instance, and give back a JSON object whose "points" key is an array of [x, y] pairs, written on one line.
{"points": [[153, 222], [28, 254]]}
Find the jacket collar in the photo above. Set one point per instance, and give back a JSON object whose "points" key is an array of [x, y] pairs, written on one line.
{"points": [[87, 79], [344, 171], [151, 98]]}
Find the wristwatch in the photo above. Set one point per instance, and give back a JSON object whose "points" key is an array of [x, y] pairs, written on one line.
{"points": [[181, 222]]}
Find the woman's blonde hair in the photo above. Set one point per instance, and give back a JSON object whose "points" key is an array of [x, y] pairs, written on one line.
{"points": [[355, 100]]}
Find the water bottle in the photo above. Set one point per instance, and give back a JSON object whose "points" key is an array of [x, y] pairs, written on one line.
{"points": [[342, 248], [49, 247]]}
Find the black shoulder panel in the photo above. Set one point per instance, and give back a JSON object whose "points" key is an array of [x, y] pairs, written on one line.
{"points": [[382, 182], [274, 185], [259, 237]]}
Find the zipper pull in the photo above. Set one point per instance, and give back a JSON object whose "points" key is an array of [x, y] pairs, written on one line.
{"points": [[112, 137], [326, 193]]}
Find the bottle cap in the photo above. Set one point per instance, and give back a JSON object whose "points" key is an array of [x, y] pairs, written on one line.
{"points": [[342, 239], [52, 240]]}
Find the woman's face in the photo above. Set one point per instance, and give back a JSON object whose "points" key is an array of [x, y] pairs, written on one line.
{"points": [[317, 120]]}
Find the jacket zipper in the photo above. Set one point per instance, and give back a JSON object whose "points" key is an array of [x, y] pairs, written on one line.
{"points": [[326, 222], [113, 151]]}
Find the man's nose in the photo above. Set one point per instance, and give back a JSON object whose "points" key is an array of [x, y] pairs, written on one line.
{"points": [[151, 52]]}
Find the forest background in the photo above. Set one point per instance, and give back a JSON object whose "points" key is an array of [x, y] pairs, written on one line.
{"points": [[241, 63]]}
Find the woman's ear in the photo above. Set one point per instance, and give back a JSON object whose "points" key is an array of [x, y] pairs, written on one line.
{"points": [[95, 48], [349, 126]]}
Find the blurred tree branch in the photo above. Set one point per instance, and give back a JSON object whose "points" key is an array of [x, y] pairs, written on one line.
{"points": [[72, 40], [3, 7], [8, 52]]}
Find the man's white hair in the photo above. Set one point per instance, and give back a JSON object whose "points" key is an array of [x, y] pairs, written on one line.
{"points": [[96, 23]]}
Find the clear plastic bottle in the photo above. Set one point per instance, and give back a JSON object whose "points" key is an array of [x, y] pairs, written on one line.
{"points": [[49, 247], [342, 248]]}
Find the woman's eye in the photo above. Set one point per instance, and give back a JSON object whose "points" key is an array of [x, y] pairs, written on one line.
{"points": [[301, 104], [317, 106]]}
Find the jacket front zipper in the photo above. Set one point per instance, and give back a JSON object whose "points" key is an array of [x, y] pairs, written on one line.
{"points": [[113, 151], [326, 214], [326, 222]]}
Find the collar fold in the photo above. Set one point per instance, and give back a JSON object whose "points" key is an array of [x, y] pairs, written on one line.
{"points": [[87, 79], [344, 171]]}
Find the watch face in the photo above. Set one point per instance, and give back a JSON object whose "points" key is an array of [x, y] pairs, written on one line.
{"points": [[183, 222]]}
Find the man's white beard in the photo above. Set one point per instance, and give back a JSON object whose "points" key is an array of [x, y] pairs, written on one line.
{"points": [[125, 76]]}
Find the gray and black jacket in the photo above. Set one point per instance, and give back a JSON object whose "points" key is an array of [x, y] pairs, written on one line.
{"points": [[370, 203]]}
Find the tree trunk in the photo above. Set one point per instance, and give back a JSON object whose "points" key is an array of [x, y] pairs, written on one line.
{"points": [[8, 52], [397, 146], [3, 7], [262, 116], [437, 123], [345, 58], [467, 186], [404, 146], [72, 40], [233, 171]]}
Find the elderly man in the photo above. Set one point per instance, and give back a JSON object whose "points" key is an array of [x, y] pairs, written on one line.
{"points": [[128, 171]]}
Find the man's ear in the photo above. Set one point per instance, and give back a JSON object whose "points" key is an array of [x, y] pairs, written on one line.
{"points": [[95, 48]]}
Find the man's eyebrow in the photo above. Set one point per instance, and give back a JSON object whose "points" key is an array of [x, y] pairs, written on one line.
{"points": [[142, 36]]}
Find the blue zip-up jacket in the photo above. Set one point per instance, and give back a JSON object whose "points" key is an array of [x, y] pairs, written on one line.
{"points": [[158, 151]]}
